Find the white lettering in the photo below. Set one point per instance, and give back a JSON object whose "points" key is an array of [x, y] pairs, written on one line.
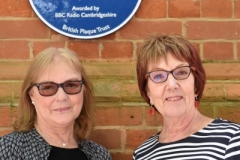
{"points": [[59, 15], [89, 32], [101, 29], [69, 29], [86, 8], [74, 15]]}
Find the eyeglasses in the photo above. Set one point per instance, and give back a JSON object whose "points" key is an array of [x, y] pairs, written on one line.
{"points": [[51, 88], [160, 76]]}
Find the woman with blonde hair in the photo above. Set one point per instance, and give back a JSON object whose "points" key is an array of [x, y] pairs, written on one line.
{"points": [[55, 112]]}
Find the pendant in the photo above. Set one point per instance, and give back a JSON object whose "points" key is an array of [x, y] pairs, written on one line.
{"points": [[64, 144]]}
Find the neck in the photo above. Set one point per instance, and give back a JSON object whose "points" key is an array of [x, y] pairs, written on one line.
{"points": [[178, 128], [62, 137]]}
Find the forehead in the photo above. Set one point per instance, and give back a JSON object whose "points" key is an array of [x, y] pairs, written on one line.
{"points": [[59, 70], [166, 62]]}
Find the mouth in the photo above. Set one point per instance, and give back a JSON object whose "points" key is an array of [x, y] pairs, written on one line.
{"points": [[172, 99], [61, 109]]}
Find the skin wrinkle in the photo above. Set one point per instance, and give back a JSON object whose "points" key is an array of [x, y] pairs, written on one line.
{"points": [[180, 121]]}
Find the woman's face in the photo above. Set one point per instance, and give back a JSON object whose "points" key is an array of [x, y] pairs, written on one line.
{"points": [[61, 108], [172, 98]]}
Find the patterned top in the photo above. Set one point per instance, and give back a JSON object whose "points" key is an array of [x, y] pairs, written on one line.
{"points": [[220, 140], [31, 146]]}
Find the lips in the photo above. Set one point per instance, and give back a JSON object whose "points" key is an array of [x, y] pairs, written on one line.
{"points": [[176, 98], [61, 109]]}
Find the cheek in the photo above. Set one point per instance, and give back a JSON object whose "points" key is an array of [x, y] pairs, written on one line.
{"points": [[154, 91]]}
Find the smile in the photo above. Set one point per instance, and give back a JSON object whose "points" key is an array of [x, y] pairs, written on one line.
{"points": [[174, 98]]}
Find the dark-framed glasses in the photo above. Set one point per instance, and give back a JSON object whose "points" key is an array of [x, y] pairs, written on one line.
{"points": [[51, 88], [160, 76]]}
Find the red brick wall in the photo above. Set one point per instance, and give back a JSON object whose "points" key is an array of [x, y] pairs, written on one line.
{"points": [[122, 122]]}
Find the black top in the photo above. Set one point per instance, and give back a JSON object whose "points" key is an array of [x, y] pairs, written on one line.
{"points": [[66, 153]]}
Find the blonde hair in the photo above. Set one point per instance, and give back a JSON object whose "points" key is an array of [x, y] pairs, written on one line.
{"points": [[26, 110]]}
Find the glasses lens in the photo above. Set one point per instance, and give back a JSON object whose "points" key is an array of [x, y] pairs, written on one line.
{"points": [[158, 76], [181, 73], [72, 87], [48, 89]]}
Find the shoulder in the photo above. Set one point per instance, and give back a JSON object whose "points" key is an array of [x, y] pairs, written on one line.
{"points": [[221, 124], [150, 142], [18, 137], [11, 144], [95, 150]]}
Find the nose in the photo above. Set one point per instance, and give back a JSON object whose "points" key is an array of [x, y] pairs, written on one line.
{"points": [[61, 95], [171, 82]]}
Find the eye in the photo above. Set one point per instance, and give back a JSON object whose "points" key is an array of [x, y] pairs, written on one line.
{"points": [[181, 73], [47, 86], [71, 84], [158, 76]]}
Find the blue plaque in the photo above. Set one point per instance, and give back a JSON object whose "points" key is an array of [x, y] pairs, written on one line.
{"points": [[85, 19]]}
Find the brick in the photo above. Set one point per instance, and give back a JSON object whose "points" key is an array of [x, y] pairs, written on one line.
{"points": [[183, 8], [16, 8], [236, 8], [130, 92], [5, 114], [228, 112], [151, 9], [13, 69], [218, 51], [232, 91], [213, 92], [109, 138], [120, 50], [238, 51], [121, 156], [40, 46], [6, 92], [115, 116], [14, 49], [111, 36], [212, 29], [136, 29], [23, 29], [197, 47], [107, 89], [55, 36], [153, 120], [136, 137], [16, 91], [5, 131], [206, 110], [85, 50], [217, 8], [222, 71], [120, 70]]}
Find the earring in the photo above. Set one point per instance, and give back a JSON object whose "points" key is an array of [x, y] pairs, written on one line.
{"points": [[151, 111], [32, 102], [196, 102]]}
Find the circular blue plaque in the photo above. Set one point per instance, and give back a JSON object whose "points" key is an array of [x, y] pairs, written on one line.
{"points": [[85, 19]]}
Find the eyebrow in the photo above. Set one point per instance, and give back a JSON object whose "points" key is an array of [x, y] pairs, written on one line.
{"points": [[161, 69], [71, 79]]}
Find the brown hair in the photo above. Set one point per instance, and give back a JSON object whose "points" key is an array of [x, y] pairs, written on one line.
{"points": [[159, 45], [26, 110]]}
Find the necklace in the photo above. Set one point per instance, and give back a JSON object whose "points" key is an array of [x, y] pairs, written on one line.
{"points": [[62, 143]]}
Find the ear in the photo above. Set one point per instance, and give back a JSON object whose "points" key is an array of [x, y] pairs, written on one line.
{"points": [[31, 95]]}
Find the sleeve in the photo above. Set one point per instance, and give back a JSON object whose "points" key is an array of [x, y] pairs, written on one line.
{"points": [[96, 151], [233, 148], [8, 148]]}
